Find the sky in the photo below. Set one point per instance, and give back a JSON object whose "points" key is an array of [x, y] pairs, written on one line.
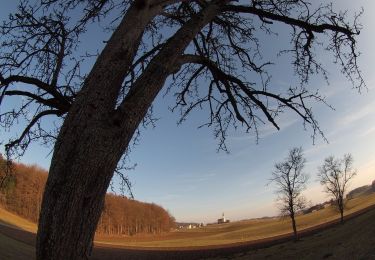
{"points": [[178, 166]]}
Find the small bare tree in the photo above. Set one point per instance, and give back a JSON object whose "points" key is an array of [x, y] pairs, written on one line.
{"points": [[290, 180], [335, 175]]}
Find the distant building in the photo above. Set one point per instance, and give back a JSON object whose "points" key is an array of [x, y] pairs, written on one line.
{"points": [[222, 220], [185, 225], [192, 226]]}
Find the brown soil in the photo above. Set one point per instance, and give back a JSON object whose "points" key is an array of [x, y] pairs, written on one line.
{"points": [[356, 234]]}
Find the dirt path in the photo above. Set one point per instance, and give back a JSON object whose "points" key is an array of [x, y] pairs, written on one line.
{"points": [[353, 240]]}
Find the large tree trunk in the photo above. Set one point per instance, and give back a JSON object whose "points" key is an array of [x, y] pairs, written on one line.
{"points": [[86, 154], [89, 146], [79, 177], [95, 134]]}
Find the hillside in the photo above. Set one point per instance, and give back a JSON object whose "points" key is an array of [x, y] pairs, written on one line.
{"points": [[22, 193], [251, 239], [238, 232], [361, 191], [353, 240]]}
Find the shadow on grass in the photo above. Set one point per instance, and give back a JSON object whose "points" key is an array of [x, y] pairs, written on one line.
{"points": [[8, 224]]}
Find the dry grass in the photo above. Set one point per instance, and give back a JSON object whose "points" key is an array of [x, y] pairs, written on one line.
{"points": [[353, 240], [14, 250], [239, 231], [214, 234], [9, 219]]}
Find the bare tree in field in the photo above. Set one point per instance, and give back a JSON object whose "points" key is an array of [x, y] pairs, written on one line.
{"points": [[210, 52], [290, 181], [335, 175]]}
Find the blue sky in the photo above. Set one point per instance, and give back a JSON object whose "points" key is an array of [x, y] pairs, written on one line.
{"points": [[179, 168]]}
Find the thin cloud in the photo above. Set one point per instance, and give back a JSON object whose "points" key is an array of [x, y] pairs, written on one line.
{"points": [[195, 178], [247, 183], [268, 129], [315, 149], [352, 119], [357, 115], [368, 132]]}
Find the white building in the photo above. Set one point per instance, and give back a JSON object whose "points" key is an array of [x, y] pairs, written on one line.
{"points": [[222, 220]]}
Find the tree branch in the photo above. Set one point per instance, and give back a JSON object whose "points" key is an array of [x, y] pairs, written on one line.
{"points": [[26, 131], [262, 14]]}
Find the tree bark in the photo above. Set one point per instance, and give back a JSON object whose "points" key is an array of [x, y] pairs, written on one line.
{"points": [[94, 135], [294, 227], [341, 209], [74, 196], [341, 215], [88, 148]]}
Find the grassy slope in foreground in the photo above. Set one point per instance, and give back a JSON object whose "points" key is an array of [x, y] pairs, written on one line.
{"points": [[12, 220], [216, 234], [12, 249]]}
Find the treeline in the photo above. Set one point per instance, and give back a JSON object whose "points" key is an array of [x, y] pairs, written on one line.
{"points": [[22, 191], [122, 216]]}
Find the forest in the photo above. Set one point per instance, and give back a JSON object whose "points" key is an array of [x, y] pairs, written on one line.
{"points": [[22, 190]]}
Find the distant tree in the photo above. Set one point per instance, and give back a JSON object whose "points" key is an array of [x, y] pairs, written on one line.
{"points": [[5, 171], [212, 52], [2, 170], [290, 181], [335, 175]]}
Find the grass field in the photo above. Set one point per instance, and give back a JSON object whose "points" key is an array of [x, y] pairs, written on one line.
{"points": [[9, 219], [353, 240], [12, 249], [235, 232], [238, 231]]}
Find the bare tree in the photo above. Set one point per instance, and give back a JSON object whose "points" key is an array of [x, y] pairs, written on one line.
{"points": [[335, 175], [210, 51], [290, 181]]}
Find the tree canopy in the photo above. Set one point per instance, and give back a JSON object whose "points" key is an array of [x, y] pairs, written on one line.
{"points": [[335, 176], [42, 56], [290, 181]]}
